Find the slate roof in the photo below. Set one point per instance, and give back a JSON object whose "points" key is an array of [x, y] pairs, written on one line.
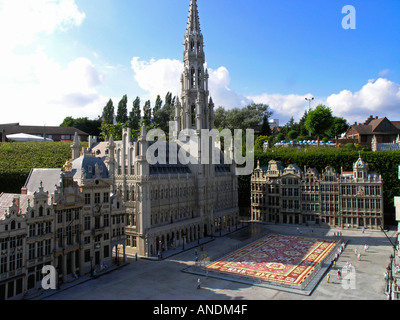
{"points": [[88, 164], [6, 201], [48, 177]]}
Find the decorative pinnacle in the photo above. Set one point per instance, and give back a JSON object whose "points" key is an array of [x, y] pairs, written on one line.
{"points": [[193, 25]]}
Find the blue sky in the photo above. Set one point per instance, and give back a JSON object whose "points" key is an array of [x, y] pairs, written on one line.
{"points": [[68, 57]]}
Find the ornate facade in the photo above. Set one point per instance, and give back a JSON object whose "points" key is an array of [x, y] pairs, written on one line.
{"points": [[290, 195], [71, 221]]}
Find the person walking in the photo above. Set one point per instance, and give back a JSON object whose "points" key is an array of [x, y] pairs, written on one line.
{"points": [[339, 274], [328, 277], [198, 283]]}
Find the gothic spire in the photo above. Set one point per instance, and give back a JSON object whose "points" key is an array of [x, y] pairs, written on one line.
{"points": [[193, 25]]}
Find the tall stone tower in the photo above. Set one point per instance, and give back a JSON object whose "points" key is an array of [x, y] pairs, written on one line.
{"points": [[195, 111]]}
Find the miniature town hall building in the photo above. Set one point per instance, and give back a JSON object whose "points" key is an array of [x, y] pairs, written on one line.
{"points": [[67, 219], [170, 204], [292, 196]]}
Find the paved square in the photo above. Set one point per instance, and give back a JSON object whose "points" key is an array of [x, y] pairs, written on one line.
{"points": [[164, 280], [277, 258]]}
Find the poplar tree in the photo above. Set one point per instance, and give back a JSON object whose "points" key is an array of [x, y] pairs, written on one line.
{"points": [[108, 113], [122, 111], [135, 115], [147, 113]]}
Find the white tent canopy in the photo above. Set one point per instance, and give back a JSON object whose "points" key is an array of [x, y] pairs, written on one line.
{"points": [[23, 137]]}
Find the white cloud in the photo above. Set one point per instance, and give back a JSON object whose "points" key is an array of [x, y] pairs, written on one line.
{"points": [[286, 106], [21, 21], [380, 98], [37, 89], [157, 77], [220, 92]]}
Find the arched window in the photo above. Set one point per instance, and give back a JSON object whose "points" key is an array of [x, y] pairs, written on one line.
{"points": [[193, 115], [200, 77], [40, 211], [193, 78], [192, 48], [12, 225]]}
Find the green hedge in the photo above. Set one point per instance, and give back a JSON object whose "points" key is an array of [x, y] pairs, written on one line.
{"points": [[385, 163], [18, 158]]}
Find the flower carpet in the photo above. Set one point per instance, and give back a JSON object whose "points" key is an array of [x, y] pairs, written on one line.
{"points": [[277, 258]]}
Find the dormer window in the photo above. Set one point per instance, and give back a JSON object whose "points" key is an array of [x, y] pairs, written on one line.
{"points": [[90, 169]]}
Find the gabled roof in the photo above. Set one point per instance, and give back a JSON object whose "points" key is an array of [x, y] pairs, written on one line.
{"points": [[6, 201], [375, 126], [396, 124]]}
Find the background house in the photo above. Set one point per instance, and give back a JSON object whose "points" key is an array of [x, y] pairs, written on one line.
{"points": [[53, 133], [384, 130]]}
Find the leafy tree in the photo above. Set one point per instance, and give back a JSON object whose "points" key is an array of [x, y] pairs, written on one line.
{"points": [[91, 127], [301, 138], [68, 122], [291, 125], [259, 143], [265, 128], [135, 115], [157, 106], [162, 115], [280, 137], [292, 135], [122, 110], [302, 128], [319, 121], [108, 113], [168, 98], [339, 126], [147, 113], [112, 129], [220, 118], [249, 117]]}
